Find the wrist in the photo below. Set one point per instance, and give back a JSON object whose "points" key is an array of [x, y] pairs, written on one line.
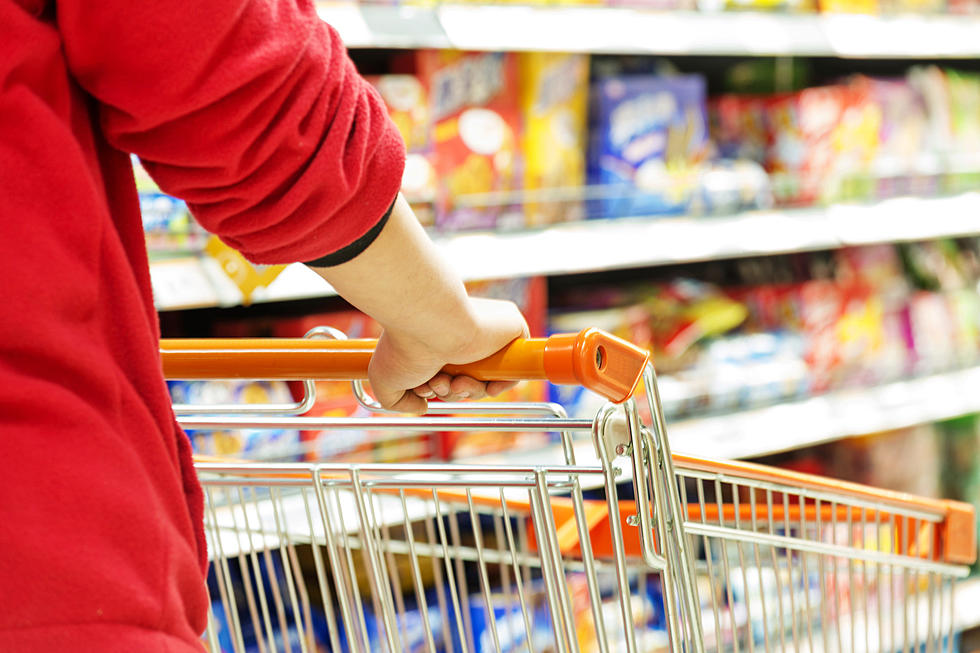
{"points": [[448, 332]]}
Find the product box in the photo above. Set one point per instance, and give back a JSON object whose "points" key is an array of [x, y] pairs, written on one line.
{"points": [[818, 138], [476, 116], [407, 101], [649, 134], [554, 105]]}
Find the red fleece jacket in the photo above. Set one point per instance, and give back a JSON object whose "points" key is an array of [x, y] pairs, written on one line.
{"points": [[252, 112]]}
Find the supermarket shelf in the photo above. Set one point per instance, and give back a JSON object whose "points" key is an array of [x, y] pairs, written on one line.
{"points": [[598, 245], [797, 424], [626, 30]]}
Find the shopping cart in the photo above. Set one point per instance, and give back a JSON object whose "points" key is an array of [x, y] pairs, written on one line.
{"points": [[616, 545]]}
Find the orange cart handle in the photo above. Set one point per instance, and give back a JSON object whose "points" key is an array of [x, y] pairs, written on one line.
{"points": [[591, 358]]}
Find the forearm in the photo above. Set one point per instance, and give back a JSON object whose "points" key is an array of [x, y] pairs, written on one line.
{"points": [[402, 281]]}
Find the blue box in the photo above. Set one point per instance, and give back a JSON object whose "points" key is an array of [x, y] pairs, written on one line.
{"points": [[648, 136]]}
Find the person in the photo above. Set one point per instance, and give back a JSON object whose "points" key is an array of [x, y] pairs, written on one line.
{"points": [[252, 112]]}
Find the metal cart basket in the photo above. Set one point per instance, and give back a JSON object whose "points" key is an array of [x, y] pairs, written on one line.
{"points": [[640, 551]]}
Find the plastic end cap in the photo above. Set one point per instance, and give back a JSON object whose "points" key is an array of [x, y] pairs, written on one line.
{"points": [[595, 360]]}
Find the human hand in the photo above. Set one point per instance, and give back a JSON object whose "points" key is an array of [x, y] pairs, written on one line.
{"points": [[405, 370]]}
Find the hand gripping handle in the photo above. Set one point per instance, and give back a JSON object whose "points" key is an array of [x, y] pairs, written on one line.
{"points": [[591, 358]]}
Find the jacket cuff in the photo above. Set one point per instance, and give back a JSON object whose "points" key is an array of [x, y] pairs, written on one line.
{"points": [[351, 251]]}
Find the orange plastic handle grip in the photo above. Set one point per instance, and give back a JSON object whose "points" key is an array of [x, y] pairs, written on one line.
{"points": [[592, 358]]}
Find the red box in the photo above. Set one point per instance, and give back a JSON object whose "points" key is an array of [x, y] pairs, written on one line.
{"points": [[477, 131]]}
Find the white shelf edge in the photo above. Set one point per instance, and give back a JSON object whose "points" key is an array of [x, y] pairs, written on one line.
{"points": [[579, 28], [598, 245]]}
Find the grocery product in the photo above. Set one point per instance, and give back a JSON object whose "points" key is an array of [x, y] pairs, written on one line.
{"points": [[251, 444], [477, 132], [648, 137], [554, 103], [819, 137], [407, 101]]}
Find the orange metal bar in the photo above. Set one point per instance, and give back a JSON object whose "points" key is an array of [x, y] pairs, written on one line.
{"points": [[592, 358], [956, 534]]}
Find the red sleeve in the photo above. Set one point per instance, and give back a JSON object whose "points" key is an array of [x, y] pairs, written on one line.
{"points": [[250, 110]]}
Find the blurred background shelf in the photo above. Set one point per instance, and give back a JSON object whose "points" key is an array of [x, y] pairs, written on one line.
{"points": [[801, 423], [619, 30], [599, 245]]}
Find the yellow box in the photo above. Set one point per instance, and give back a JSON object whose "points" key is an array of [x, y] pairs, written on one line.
{"points": [[554, 106]]}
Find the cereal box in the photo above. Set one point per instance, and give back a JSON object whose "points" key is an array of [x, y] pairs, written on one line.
{"points": [[407, 102], [475, 112], [554, 103], [649, 134]]}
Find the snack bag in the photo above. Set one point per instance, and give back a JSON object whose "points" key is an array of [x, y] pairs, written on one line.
{"points": [[649, 135], [554, 103], [477, 133]]}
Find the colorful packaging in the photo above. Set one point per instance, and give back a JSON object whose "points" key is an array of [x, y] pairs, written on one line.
{"points": [[818, 138], [554, 102], [407, 102], [477, 132], [272, 445], [649, 134]]}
